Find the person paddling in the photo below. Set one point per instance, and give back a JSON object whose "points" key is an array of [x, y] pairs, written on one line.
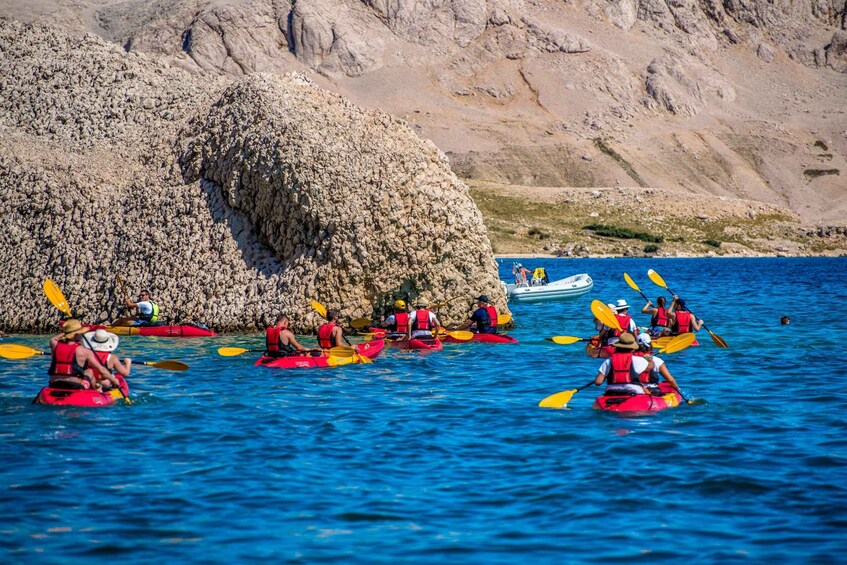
{"points": [[280, 341], [683, 321], [651, 379], [627, 324], [424, 322], [484, 317], [398, 322], [330, 334], [103, 343], [659, 319], [147, 311], [69, 361], [623, 371]]}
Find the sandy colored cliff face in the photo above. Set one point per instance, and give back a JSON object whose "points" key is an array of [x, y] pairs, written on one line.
{"points": [[727, 99], [230, 200]]}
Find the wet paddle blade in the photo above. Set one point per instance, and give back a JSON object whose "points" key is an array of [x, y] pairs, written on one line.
{"points": [[56, 298], [231, 351], [319, 308], [167, 365], [360, 323], [661, 342], [719, 341], [558, 400], [503, 319], [679, 343], [631, 283], [697, 401], [565, 339], [13, 351], [461, 335], [657, 278], [602, 313], [363, 359], [342, 351]]}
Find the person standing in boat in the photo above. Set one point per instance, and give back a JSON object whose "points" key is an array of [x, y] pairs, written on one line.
{"points": [[682, 320], [658, 371], [103, 343], [330, 334], [280, 341], [424, 323], [484, 317], [69, 362], [521, 274], [398, 322], [659, 319], [623, 371]]}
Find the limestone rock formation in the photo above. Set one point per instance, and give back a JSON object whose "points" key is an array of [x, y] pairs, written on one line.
{"points": [[229, 201]]}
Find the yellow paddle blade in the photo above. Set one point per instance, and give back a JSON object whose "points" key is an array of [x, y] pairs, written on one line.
{"points": [[168, 365], [602, 313], [363, 359], [631, 283], [679, 343], [462, 335], [342, 351], [503, 319], [123, 286], [12, 351], [719, 341], [661, 342], [56, 298], [360, 323], [122, 330], [231, 351], [558, 400], [438, 305], [564, 339], [319, 308], [656, 278]]}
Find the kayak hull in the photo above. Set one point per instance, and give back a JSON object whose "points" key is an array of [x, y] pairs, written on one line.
{"points": [[370, 349], [483, 338], [81, 398], [182, 330], [640, 402], [417, 344]]}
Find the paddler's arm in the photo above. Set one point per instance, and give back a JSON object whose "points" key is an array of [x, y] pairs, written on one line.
{"points": [[130, 303], [695, 325], [599, 379], [666, 374], [647, 308], [94, 362]]}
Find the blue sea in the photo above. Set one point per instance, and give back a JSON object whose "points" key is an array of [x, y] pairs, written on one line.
{"points": [[445, 457]]}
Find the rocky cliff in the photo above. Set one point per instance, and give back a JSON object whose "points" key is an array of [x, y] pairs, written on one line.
{"points": [[230, 201]]}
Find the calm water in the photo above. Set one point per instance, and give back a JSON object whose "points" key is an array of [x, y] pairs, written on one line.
{"points": [[446, 457]]}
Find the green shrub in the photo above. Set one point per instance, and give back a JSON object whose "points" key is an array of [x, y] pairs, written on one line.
{"points": [[536, 232], [814, 173], [623, 233], [651, 249], [712, 242]]}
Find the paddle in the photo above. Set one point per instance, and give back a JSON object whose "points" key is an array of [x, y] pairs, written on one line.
{"points": [[566, 339], [503, 319], [634, 286], [56, 298], [461, 335], [123, 286], [167, 365], [340, 351], [13, 351], [658, 280], [561, 399], [678, 343], [606, 316], [319, 308], [360, 323]]}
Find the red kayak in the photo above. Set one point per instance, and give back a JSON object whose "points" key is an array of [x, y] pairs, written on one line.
{"points": [[483, 338], [640, 402], [417, 344], [183, 330], [370, 349], [81, 398]]}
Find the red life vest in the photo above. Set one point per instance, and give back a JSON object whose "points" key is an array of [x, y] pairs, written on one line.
{"points": [[103, 357], [621, 369], [422, 320], [64, 360], [492, 316], [401, 322], [661, 317], [272, 339], [624, 323], [683, 322], [325, 335]]}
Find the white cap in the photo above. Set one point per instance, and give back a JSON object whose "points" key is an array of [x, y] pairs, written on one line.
{"points": [[644, 339]]}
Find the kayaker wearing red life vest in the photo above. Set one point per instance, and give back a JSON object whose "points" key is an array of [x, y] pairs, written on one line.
{"points": [[484, 317], [683, 321], [424, 322], [69, 361], [659, 320], [623, 371], [103, 343], [398, 322], [610, 335], [330, 334], [280, 341], [659, 369]]}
